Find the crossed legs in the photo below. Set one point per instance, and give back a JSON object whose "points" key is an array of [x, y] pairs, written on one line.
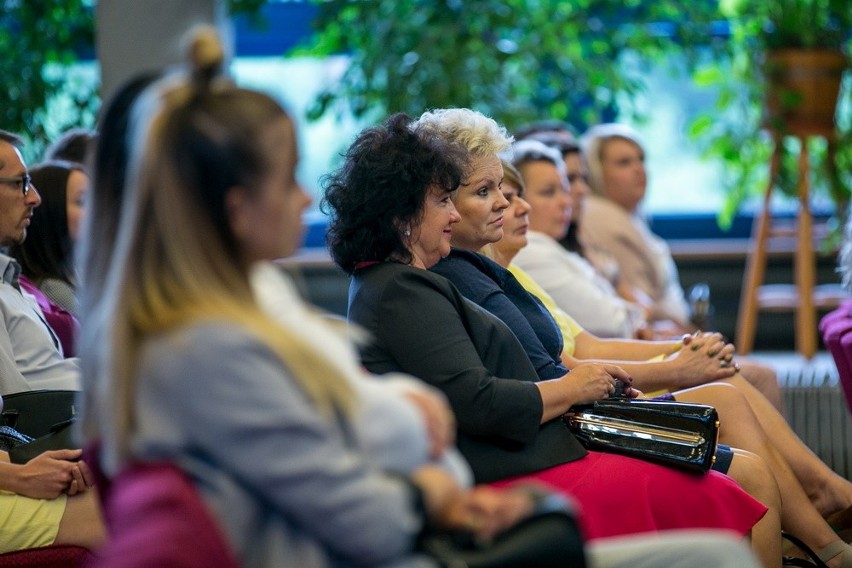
{"points": [[746, 427]]}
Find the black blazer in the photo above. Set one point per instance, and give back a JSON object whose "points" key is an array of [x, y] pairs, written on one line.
{"points": [[421, 325]]}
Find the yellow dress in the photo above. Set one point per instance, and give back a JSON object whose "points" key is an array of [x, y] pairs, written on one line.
{"points": [[569, 328], [28, 523]]}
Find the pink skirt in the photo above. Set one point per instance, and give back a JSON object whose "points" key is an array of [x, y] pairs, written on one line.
{"points": [[619, 495]]}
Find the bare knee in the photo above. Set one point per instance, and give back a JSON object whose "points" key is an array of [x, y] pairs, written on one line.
{"points": [[722, 394], [755, 477], [761, 377], [82, 523]]}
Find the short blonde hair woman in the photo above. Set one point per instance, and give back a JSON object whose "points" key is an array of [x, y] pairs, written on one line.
{"points": [[184, 365]]}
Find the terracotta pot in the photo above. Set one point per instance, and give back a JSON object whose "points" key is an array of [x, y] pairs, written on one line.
{"points": [[802, 90]]}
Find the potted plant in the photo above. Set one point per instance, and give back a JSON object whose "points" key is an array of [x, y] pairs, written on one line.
{"points": [[780, 74]]}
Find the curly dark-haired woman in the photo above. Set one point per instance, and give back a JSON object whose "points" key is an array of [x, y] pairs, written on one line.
{"points": [[391, 219]]}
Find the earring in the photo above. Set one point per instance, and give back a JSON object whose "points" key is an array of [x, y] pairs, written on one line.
{"points": [[407, 232]]}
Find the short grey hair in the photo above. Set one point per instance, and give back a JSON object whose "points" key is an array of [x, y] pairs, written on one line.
{"points": [[526, 151], [479, 134]]}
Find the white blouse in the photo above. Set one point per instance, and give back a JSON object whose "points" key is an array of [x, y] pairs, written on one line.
{"points": [[578, 289]]}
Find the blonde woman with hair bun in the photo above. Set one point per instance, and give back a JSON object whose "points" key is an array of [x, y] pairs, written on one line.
{"points": [[199, 354]]}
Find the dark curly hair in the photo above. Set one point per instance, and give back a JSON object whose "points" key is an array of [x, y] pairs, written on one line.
{"points": [[381, 188]]}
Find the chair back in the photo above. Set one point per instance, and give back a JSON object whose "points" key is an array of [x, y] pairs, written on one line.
{"points": [[155, 517], [836, 329]]}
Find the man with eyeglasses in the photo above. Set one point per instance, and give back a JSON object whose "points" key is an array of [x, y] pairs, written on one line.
{"points": [[30, 354]]}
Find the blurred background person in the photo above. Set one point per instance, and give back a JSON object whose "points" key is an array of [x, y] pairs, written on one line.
{"points": [[72, 146], [47, 255]]}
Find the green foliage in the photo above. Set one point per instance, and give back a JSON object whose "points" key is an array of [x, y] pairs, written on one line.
{"points": [[36, 40], [794, 23], [40, 40], [516, 60], [732, 131]]}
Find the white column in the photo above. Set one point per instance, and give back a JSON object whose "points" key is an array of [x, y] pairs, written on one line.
{"points": [[134, 36]]}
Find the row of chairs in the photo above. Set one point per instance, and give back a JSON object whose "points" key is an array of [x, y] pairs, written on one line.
{"points": [[153, 510]]}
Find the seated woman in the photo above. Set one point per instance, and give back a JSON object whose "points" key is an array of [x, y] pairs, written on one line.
{"points": [[183, 363], [739, 424], [391, 219], [48, 501], [47, 255], [566, 276], [559, 136], [588, 296], [277, 298], [482, 206], [617, 176]]}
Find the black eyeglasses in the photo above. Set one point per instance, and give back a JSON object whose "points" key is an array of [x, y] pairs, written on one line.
{"points": [[22, 183]]}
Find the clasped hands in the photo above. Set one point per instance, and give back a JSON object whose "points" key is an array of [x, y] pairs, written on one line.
{"points": [[714, 345], [53, 473]]}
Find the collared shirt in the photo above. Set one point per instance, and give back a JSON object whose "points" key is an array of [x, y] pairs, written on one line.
{"points": [[30, 355]]}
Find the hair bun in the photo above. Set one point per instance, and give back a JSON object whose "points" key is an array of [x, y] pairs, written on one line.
{"points": [[205, 54]]}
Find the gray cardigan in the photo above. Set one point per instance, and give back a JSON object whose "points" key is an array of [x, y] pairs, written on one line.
{"points": [[286, 485]]}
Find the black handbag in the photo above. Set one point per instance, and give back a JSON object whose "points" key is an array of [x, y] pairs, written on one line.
{"points": [[59, 438], [549, 539], [35, 413], [676, 434]]}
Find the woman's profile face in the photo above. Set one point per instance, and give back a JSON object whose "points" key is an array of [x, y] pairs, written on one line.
{"points": [[578, 185], [76, 193], [623, 171], [430, 239], [516, 222], [268, 221], [548, 195], [481, 204]]}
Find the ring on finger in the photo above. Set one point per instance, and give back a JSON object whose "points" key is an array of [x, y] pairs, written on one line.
{"points": [[694, 346], [724, 363], [711, 353]]}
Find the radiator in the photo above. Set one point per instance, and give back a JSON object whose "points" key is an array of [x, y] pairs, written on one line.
{"points": [[816, 410]]}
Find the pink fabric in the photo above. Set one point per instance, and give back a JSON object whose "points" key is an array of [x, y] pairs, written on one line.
{"points": [[622, 496], [63, 322], [56, 556], [155, 517], [836, 327], [843, 311], [846, 373]]}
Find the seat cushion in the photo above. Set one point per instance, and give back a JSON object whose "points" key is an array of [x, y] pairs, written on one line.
{"points": [[155, 517], [56, 556]]}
